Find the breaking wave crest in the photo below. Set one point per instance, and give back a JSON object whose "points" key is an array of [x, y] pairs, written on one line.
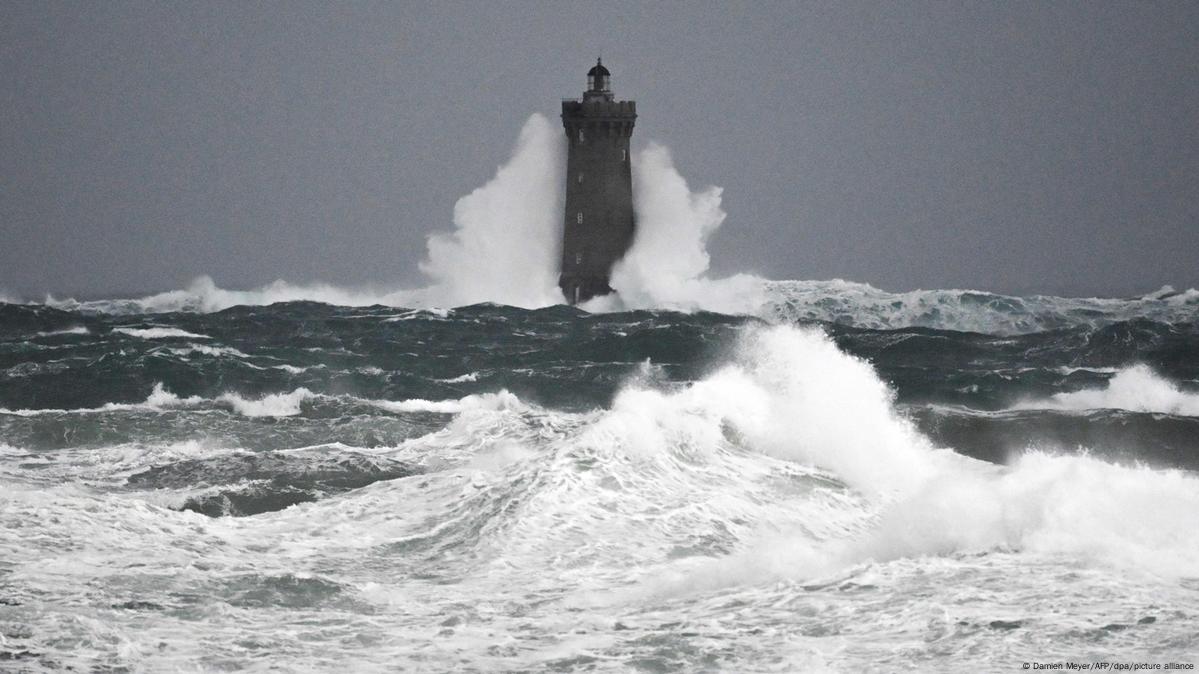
{"points": [[284, 404], [1135, 389], [793, 395], [78, 330], [862, 305]]}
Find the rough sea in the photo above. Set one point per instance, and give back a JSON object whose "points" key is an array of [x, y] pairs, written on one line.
{"points": [[845, 480]]}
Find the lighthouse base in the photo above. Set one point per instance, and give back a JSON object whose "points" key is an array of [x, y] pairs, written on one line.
{"points": [[579, 289]]}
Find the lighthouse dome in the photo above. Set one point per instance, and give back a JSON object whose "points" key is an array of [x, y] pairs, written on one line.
{"points": [[598, 78]]}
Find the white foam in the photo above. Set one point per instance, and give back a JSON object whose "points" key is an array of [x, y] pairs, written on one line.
{"points": [[1077, 505], [289, 403], [162, 399], [415, 314], [77, 330], [159, 333], [792, 394], [159, 399], [461, 379], [214, 351], [104, 464], [503, 400], [292, 369], [1066, 370], [1136, 389], [942, 503], [272, 405]]}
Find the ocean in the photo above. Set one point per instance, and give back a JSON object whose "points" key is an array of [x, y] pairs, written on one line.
{"points": [[841, 479]]}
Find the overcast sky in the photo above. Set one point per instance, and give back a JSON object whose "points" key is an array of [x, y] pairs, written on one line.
{"points": [[1041, 147]]}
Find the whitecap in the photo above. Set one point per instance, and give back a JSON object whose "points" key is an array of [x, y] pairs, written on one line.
{"points": [[1136, 389], [77, 330], [159, 333]]}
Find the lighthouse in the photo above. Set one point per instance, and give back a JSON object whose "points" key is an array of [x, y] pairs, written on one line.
{"points": [[599, 224]]}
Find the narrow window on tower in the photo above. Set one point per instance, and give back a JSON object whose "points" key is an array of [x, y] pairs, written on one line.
{"points": [[578, 258], [624, 155], [580, 178], [580, 135], [579, 218]]}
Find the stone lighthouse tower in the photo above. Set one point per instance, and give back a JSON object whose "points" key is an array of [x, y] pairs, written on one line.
{"points": [[599, 187]]}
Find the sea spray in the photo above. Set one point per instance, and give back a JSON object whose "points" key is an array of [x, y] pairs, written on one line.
{"points": [[667, 265], [793, 394], [1134, 518], [506, 245], [504, 249], [833, 413]]}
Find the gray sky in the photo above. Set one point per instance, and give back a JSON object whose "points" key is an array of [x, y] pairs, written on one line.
{"points": [[1041, 147]]}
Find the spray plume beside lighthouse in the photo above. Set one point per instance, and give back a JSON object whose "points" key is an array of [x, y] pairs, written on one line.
{"points": [[599, 222]]}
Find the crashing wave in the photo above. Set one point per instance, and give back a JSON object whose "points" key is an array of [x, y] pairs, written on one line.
{"points": [[1135, 389], [791, 394]]}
